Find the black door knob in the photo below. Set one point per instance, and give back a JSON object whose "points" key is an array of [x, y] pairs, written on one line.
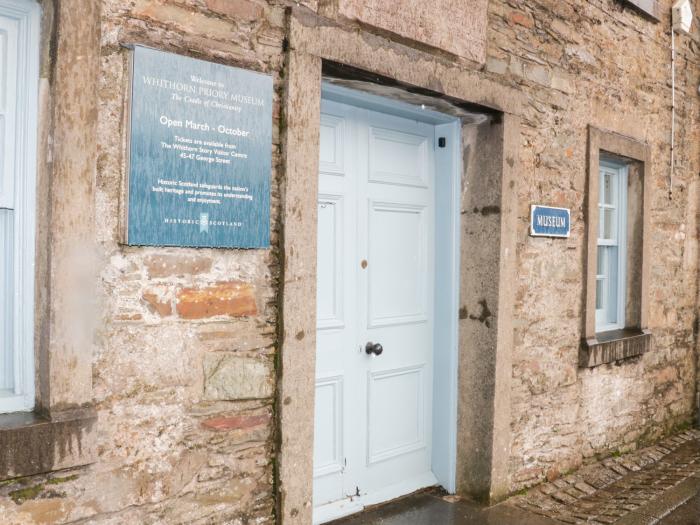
{"points": [[374, 348]]}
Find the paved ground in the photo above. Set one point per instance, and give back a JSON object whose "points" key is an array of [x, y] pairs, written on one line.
{"points": [[637, 488], [688, 514], [430, 508], [658, 485]]}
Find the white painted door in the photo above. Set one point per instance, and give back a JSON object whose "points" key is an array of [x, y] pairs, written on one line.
{"points": [[375, 285]]}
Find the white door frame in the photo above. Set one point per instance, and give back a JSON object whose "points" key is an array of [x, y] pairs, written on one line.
{"points": [[448, 169]]}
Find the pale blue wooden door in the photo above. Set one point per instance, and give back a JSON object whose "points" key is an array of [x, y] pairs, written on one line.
{"points": [[375, 285]]}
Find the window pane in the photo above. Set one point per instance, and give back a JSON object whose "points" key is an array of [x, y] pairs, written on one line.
{"points": [[6, 295], [610, 261], [608, 190], [609, 229], [611, 281]]}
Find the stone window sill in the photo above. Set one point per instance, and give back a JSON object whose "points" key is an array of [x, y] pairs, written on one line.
{"points": [[32, 444], [609, 347]]}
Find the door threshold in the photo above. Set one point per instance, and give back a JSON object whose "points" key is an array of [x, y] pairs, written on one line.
{"points": [[348, 506], [337, 510], [434, 506]]}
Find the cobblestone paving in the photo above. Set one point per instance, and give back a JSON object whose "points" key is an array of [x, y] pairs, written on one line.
{"points": [[604, 492]]}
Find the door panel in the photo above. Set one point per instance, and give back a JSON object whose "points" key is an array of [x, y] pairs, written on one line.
{"points": [[328, 447], [398, 276], [398, 158], [332, 137], [375, 284], [335, 307], [330, 261], [394, 432]]}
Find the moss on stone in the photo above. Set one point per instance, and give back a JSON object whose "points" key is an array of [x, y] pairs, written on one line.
{"points": [[6, 482], [66, 479], [22, 495], [681, 427], [16, 481]]}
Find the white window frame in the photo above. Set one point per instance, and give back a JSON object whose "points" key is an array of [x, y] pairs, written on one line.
{"points": [[621, 176], [22, 171]]}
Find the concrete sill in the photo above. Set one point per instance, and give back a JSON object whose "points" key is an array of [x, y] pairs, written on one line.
{"points": [[31, 444], [609, 347]]}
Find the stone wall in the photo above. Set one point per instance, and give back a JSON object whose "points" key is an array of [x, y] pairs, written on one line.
{"points": [[602, 64], [183, 373], [184, 354]]}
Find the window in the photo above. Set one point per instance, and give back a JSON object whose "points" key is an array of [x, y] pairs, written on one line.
{"points": [[617, 263], [610, 293], [19, 51], [651, 8]]}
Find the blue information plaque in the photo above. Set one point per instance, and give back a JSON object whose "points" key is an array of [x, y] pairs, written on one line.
{"points": [[546, 221], [200, 153]]}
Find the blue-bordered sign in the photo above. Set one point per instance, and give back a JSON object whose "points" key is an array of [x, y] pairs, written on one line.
{"points": [[546, 221], [200, 153]]}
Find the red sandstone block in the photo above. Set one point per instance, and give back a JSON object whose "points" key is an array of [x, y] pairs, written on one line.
{"points": [[520, 18], [235, 422], [156, 304], [232, 299]]}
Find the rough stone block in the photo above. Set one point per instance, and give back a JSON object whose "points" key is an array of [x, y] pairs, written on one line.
{"points": [[241, 335], [539, 74], [231, 377], [184, 19], [232, 299], [238, 9], [563, 83], [456, 26], [168, 265], [496, 66]]}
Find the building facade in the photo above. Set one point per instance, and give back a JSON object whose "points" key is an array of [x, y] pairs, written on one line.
{"points": [[152, 384]]}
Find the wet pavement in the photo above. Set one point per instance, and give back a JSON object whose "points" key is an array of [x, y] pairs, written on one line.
{"points": [[639, 488], [657, 485], [431, 508], [687, 514]]}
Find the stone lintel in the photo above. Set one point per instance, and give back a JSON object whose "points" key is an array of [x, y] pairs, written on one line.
{"points": [[456, 26], [336, 41], [614, 346]]}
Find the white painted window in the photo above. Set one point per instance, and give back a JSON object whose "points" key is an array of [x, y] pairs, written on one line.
{"points": [[612, 248], [19, 74]]}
